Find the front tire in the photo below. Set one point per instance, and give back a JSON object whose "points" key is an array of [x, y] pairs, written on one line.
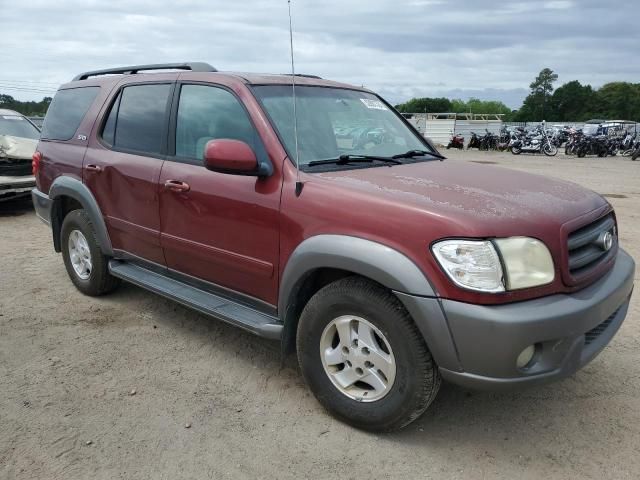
{"points": [[550, 150], [364, 358], [86, 265]]}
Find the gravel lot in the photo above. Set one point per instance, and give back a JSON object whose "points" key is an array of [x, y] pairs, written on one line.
{"points": [[69, 365]]}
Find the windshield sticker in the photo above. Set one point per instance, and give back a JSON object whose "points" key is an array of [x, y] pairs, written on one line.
{"points": [[11, 117], [374, 104]]}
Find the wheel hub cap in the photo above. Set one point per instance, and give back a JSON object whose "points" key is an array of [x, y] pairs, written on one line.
{"points": [[79, 254], [357, 358]]}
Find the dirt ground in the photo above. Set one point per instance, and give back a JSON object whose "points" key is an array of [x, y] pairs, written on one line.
{"points": [[69, 364]]}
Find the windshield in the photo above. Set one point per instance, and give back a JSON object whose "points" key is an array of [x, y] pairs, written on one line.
{"points": [[17, 126], [336, 121]]}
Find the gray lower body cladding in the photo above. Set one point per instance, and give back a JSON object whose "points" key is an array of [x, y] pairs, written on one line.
{"points": [[42, 205], [477, 346]]}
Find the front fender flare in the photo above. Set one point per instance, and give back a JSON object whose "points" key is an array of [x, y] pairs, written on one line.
{"points": [[379, 263], [73, 188], [373, 260]]}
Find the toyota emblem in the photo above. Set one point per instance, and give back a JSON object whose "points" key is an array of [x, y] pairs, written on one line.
{"points": [[605, 241]]}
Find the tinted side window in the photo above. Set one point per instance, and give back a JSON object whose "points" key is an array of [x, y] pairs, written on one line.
{"points": [[66, 111], [206, 113], [109, 130], [140, 123]]}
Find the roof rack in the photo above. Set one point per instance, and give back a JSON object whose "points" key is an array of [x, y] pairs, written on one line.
{"points": [[193, 66], [305, 75]]}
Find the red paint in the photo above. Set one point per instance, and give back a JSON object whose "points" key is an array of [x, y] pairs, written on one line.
{"points": [[239, 231], [229, 155]]}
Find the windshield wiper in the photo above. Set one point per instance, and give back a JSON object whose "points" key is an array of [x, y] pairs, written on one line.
{"points": [[345, 158], [418, 153]]}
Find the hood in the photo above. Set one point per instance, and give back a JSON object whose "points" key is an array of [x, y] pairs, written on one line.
{"points": [[17, 148], [479, 198]]}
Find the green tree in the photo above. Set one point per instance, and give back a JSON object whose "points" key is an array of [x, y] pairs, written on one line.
{"points": [[619, 101], [428, 105], [29, 109], [573, 102], [535, 106]]}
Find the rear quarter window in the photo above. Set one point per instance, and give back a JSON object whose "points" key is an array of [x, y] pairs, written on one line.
{"points": [[66, 111]]}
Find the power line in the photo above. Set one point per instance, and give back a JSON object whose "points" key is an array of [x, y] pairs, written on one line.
{"points": [[27, 87], [12, 90], [22, 82]]}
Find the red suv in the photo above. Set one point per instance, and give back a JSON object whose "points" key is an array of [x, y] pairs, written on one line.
{"points": [[383, 266]]}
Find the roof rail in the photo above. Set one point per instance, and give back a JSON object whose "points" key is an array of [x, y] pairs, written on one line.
{"points": [[305, 75], [193, 66]]}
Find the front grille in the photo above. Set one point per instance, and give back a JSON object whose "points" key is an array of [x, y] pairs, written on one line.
{"points": [[585, 247], [18, 168], [598, 330]]}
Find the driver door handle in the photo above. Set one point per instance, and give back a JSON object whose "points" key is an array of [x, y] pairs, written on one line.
{"points": [[176, 186], [93, 168]]}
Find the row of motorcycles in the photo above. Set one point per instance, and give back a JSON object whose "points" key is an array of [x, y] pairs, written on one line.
{"points": [[516, 141], [581, 145], [549, 141]]}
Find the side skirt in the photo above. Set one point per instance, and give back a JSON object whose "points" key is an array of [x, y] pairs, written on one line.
{"points": [[237, 314]]}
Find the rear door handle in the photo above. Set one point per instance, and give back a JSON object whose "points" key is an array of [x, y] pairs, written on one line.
{"points": [[93, 168], [176, 186]]}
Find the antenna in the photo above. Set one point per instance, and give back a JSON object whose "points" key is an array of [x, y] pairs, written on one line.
{"points": [[295, 115]]}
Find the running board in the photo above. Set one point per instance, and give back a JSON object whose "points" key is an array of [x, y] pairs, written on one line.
{"points": [[207, 303]]}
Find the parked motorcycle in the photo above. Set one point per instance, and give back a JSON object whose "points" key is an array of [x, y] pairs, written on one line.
{"points": [[636, 150], [488, 141], [456, 141], [536, 142], [474, 141], [627, 144], [575, 136], [592, 145]]}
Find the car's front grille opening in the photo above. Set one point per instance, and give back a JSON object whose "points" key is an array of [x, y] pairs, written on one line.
{"points": [[19, 168], [598, 330], [586, 246]]}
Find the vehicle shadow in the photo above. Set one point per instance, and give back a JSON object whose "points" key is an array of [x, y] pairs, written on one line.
{"points": [[514, 424], [16, 207], [171, 314]]}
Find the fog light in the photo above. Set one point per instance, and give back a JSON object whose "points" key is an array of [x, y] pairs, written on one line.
{"points": [[526, 356]]}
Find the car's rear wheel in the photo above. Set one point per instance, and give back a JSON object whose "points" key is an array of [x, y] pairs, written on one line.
{"points": [[364, 358], [86, 265]]}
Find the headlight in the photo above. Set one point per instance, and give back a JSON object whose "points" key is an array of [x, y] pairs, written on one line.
{"points": [[527, 262], [471, 264], [476, 265]]}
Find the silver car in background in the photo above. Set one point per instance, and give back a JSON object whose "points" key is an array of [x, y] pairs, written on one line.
{"points": [[18, 140]]}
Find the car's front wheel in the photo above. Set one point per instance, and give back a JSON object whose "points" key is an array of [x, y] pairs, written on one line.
{"points": [[85, 263], [364, 358]]}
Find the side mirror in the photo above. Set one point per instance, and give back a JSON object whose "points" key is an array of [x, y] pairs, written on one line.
{"points": [[230, 156]]}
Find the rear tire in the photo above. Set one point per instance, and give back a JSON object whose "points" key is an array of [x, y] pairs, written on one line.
{"points": [[336, 321], [85, 263], [515, 150]]}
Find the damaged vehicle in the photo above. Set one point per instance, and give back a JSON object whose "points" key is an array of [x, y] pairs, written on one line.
{"points": [[18, 140], [340, 232]]}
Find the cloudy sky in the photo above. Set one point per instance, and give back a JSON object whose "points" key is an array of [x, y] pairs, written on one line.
{"points": [[462, 48]]}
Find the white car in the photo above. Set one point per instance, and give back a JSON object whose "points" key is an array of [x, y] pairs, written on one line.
{"points": [[18, 140]]}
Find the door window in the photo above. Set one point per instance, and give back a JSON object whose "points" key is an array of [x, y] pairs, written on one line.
{"points": [[207, 113], [136, 121]]}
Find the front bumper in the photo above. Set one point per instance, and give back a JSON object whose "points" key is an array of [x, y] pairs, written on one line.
{"points": [[477, 346], [16, 186]]}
